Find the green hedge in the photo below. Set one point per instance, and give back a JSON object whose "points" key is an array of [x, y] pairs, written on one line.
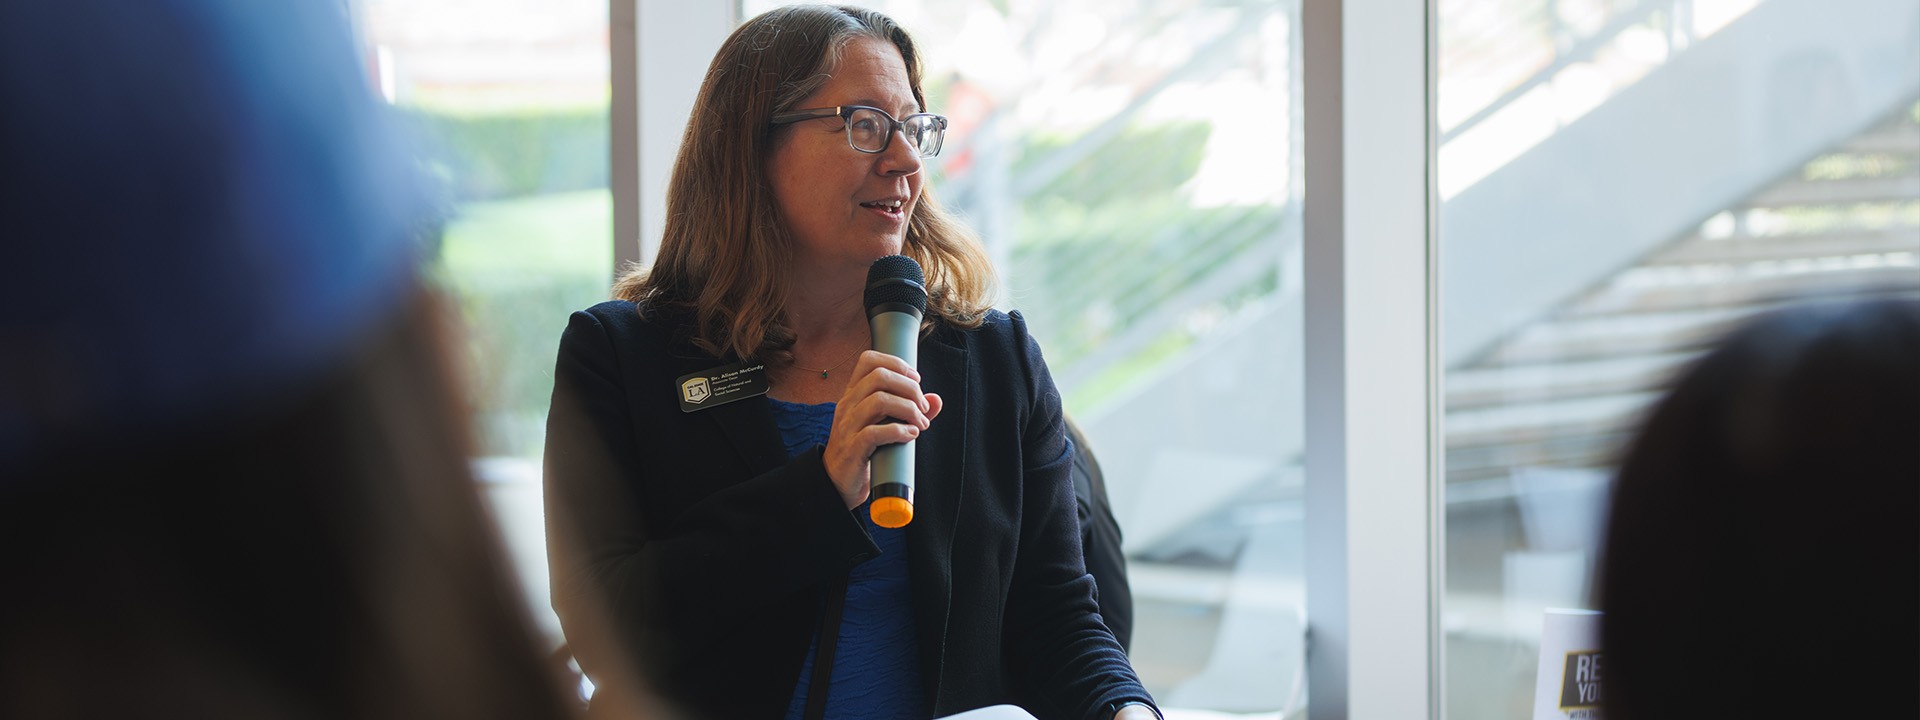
{"points": [[516, 154]]}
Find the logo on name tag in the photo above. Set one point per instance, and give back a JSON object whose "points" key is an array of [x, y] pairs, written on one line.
{"points": [[696, 391]]}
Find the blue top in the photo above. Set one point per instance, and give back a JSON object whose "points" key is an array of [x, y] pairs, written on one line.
{"points": [[876, 663]]}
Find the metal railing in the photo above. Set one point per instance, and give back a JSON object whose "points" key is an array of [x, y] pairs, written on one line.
{"points": [[1550, 38]]}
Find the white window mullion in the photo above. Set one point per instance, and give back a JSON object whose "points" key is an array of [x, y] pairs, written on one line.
{"points": [[659, 50], [1372, 543]]}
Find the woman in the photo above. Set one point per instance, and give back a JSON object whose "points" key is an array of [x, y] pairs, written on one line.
{"points": [[720, 535], [1763, 551]]}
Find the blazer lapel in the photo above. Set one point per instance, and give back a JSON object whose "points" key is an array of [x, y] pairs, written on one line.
{"points": [[939, 478], [747, 424]]}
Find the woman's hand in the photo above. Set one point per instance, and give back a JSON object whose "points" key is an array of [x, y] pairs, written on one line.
{"points": [[883, 387]]}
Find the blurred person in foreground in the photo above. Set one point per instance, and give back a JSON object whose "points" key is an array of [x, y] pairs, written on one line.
{"points": [[1763, 551], [233, 478], [734, 541]]}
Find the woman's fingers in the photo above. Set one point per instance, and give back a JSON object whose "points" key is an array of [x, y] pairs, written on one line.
{"points": [[885, 380], [880, 408], [878, 371], [878, 393], [879, 436], [883, 405], [871, 359]]}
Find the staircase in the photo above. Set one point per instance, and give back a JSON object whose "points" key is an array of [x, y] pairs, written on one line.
{"points": [[1564, 390], [1698, 134], [1536, 420]]}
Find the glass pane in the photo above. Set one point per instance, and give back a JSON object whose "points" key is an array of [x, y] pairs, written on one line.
{"points": [[510, 101], [1621, 180], [1131, 165]]}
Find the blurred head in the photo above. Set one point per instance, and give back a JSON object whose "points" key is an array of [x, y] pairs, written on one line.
{"points": [[749, 200], [201, 203], [1763, 549], [233, 468]]}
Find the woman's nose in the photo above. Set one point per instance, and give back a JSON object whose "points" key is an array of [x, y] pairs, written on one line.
{"points": [[900, 157]]}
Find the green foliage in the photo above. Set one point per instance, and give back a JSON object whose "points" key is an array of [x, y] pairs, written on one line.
{"points": [[1089, 274], [1138, 163], [1112, 239], [518, 268], [514, 154], [529, 241]]}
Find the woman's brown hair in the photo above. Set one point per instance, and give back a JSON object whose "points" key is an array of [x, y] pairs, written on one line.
{"points": [[725, 250]]}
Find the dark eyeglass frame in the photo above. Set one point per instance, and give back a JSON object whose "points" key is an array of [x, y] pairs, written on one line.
{"points": [[845, 113]]}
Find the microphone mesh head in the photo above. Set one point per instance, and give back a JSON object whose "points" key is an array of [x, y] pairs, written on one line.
{"points": [[896, 279]]}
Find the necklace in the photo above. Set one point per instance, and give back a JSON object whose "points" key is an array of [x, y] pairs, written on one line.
{"points": [[836, 366]]}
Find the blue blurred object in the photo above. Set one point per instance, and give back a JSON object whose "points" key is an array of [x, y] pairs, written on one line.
{"points": [[201, 201]]}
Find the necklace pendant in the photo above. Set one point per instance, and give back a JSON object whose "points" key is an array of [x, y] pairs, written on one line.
{"points": [[823, 374]]}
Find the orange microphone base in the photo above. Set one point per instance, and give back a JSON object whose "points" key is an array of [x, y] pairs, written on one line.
{"points": [[892, 512]]}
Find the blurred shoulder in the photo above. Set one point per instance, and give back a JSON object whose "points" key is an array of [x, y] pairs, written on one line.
{"points": [[1000, 336], [612, 312], [624, 321], [629, 315], [995, 327]]}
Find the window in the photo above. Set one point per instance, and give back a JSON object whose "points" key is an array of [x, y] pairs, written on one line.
{"points": [[1620, 181]]}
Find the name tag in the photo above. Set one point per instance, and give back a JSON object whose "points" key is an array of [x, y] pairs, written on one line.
{"points": [[721, 385]]}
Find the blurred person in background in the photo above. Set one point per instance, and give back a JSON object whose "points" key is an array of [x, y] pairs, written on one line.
{"points": [[1763, 550], [233, 463], [733, 541]]}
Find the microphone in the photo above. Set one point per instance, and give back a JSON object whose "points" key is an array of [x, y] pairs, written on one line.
{"points": [[896, 300]]}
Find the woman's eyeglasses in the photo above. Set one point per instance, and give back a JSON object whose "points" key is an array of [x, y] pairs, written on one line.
{"points": [[870, 129]]}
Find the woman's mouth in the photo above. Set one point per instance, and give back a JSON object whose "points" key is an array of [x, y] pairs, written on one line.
{"points": [[891, 208]]}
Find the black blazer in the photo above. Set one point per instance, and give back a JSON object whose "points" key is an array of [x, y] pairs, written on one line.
{"points": [[712, 548], [1100, 538]]}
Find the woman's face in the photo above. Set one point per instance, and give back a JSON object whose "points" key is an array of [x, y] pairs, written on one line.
{"points": [[845, 208]]}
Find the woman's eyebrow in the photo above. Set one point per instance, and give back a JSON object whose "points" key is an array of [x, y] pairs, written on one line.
{"points": [[911, 107]]}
